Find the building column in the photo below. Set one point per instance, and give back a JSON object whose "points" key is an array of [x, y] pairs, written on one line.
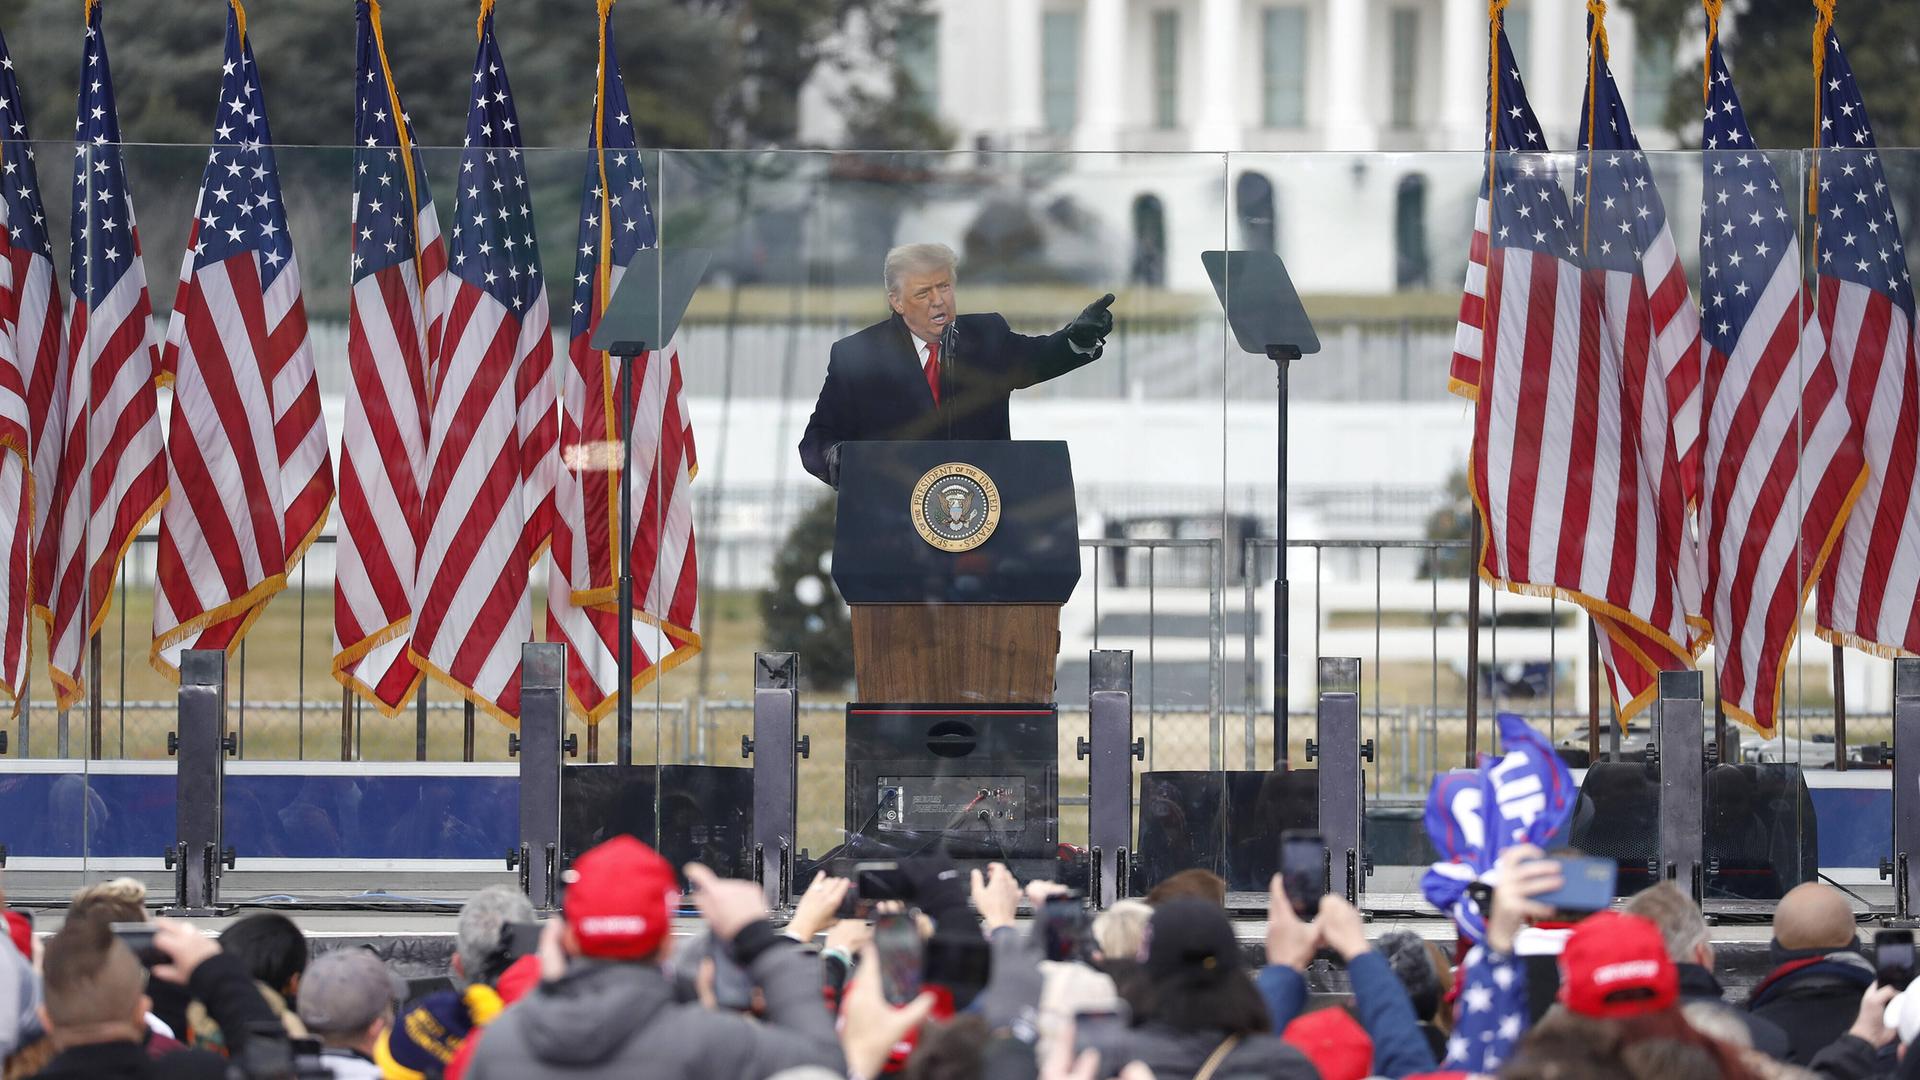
{"points": [[1216, 122], [1103, 66], [1551, 79], [1463, 102], [1348, 76], [1025, 111]]}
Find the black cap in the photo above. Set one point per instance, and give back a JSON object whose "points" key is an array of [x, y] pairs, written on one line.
{"points": [[1191, 939]]}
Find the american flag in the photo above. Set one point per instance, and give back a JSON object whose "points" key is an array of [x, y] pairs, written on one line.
{"points": [[30, 359], [398, 300], [248, 497], [1781, 465], [1558, 428], [1870, 591], [112, 470], [616, 223], [1624, 539], [491, 445]]}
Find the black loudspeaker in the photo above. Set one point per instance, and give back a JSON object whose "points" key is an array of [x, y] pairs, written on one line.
{"points": [[1225, 822], [689, 813], [1761, 836], [1618, 817], [982, 782]]}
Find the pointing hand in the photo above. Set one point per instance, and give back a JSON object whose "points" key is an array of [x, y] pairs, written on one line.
{"points": [[1091, 327]]}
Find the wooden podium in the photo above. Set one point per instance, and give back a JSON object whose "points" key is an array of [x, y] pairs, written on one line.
{"points": [[956, 558], [991, 654]]}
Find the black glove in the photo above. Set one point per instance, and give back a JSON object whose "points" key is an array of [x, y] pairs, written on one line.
{"points": [[1089, 328], [833, 466]]}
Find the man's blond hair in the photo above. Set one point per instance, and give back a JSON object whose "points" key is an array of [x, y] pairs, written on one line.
{"points": [[123, 899], [915, 259]]}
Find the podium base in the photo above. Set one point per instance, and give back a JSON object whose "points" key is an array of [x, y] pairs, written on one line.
{"points": [[980, 781]]}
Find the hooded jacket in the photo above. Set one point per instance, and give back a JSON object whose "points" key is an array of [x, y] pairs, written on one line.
{"points": [[610, 1019], [1813, 995]]}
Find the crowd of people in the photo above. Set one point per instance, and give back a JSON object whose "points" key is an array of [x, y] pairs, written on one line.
{"points": [[1160, 987]]}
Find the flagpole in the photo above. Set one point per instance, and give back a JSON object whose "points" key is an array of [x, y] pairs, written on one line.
{"points": [[623, 655], [1839, 709], [1593, 691], [1475, 539]]}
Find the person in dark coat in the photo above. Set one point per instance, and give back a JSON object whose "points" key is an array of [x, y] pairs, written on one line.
{"points": [[1819, 975], [894, 379], [95, 1003], [1684, 929], [1203, 1014]]}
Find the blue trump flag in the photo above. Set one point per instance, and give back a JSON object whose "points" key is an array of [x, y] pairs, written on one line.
{"points": [[1524, 797]]}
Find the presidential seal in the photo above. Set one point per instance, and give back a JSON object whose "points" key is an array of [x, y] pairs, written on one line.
{"points": [[955, 507]]}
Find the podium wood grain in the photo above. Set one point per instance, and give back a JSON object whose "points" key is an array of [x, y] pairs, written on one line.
{"points": [[955, 653]]}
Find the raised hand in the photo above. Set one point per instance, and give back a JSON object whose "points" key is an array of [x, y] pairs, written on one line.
{"points": [[1091, 327], [1525, 872], [728, 906], [819, 906], [1290, 942]]}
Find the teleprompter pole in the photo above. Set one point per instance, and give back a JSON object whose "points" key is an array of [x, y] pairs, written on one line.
{"points": [[1282, 356]]}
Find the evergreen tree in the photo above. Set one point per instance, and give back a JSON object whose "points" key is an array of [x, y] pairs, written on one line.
{"points": [[700, 73], [1454, 521], [803, 612], [1769, 46]]}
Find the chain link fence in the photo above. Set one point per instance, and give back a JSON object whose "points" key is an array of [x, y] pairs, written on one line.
{"points": [[1195, 611]]}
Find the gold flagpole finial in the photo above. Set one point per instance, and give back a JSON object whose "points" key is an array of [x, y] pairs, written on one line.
{"points": [[1822, 26], [1713, 35], [1494, 8], [1596, 52]]}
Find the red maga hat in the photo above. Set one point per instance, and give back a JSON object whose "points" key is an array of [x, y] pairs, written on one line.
{"points": [[620, 900], [1615, 966]]}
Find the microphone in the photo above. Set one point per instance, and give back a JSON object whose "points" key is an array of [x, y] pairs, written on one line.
{"points": [[949, 337]]}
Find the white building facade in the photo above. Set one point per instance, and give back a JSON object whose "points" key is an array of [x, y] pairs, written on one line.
{"points": [[1344, 94], [1251, 75]]}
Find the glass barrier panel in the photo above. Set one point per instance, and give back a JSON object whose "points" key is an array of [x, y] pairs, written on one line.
{"points": [[1172, 438]]}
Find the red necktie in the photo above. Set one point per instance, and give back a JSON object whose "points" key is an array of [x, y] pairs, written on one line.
{"points": [[933, 371]]}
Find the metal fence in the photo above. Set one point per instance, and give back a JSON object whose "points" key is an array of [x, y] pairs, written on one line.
{"points": [[1141, 593]]}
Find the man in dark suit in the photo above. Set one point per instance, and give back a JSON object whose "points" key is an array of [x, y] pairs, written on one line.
{"points": [[931, 373]]}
